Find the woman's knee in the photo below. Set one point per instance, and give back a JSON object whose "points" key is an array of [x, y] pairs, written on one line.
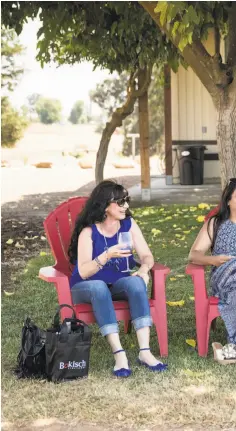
{"points": [[99, 289], [136, 285]]}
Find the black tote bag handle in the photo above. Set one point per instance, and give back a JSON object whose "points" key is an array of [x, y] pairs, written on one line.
{"points": [[56, 319], [87, 331]]}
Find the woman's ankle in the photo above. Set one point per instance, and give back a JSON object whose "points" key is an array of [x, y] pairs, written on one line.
{"points": [[121, 360], [146, 355]]}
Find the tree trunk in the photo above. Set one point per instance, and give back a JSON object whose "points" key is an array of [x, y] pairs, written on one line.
{"points": [[117, 118], [144, 138], [107, 133], [226, 133]]}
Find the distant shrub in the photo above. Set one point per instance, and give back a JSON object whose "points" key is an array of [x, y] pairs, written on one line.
{"points": [[48, 110], [13, 124]]}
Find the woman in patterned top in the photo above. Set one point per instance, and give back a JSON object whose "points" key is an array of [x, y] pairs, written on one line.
{"points": [[219, 235]]}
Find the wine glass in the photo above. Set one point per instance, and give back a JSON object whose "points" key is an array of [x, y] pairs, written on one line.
{"points": [[126, 239]]}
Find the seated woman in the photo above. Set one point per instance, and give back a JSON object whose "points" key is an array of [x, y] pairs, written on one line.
{"points": [[219, 235], [101, 275]]}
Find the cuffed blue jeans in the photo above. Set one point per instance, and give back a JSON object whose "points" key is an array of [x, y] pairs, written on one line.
{"points": [[99, 295]]}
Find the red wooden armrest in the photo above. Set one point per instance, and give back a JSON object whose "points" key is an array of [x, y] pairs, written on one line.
{"points": [[191, 269], [158, 274], [160, 268], [197, 273], [61, 282], [50, 274]]}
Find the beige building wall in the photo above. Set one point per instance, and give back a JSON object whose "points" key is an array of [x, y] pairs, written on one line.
{"points": [[193, 114]]}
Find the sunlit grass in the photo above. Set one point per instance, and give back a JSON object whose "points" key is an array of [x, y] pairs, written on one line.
{"points": [[193, 390]]}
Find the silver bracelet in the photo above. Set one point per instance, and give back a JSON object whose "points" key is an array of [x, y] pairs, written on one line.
{"points": [[99, 264]]}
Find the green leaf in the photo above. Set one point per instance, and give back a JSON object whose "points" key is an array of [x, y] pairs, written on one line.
{"points": [[190, 38], [163, 14], [193, 15], [172, 12], [183, 43], [175, 28], [160, 6]]}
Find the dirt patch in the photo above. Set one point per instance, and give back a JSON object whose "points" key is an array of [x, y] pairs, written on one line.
{"points": [[22, 222]]}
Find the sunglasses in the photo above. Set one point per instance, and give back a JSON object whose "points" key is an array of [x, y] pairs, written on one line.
{"points": [[121, 202], [232, 180]]}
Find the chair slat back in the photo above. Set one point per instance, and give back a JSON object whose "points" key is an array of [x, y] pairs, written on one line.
{"points": [[59, 226]]}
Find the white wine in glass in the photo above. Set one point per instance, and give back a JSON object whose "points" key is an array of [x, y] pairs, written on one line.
{"points": [[126, 239]]}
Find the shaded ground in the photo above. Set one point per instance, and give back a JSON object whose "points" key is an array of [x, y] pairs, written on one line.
{"points": [[22, 221]]}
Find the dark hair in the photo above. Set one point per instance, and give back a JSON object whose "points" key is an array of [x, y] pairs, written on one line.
{"points": [[94, 210], [223, 212]]}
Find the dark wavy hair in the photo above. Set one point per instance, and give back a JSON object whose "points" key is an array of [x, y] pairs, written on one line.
{"points": [[94, 211], [223, 213]]}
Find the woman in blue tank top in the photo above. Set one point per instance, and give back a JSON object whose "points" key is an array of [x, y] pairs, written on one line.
{"points": [[102, 270]]}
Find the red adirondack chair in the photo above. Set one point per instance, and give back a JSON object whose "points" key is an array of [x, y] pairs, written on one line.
{"points": [[206, 307], [58, 227]]}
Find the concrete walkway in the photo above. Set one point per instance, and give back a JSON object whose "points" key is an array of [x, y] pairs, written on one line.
{"points": [[161, 193]]}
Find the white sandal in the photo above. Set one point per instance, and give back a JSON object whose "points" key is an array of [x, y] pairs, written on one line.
{"points": [[224, 354]]}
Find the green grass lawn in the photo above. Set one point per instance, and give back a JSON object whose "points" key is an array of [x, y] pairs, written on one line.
{"points": [[193, 391]]}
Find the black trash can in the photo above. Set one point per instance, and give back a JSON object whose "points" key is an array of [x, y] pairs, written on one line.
{"points": [[191, 164]]}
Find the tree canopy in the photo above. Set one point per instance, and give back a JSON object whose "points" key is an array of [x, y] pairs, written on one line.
{"points": [[187, 27], [114, 35], [11, 49]]}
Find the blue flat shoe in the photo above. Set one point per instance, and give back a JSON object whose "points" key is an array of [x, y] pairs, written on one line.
{"points": [[122, 372], [158, 367]]}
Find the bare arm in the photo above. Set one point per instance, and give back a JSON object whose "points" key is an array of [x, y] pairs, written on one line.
{"points": [[201, 245], [142, 249]]}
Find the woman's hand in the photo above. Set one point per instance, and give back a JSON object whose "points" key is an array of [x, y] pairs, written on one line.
{"points": [[143, 275], [221, 259], [116, 251]]}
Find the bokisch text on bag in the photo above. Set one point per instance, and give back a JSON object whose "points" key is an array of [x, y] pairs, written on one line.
{"points": [[72, 365]]}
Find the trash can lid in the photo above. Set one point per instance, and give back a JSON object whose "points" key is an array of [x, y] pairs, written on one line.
{"points": [[185, 146]]}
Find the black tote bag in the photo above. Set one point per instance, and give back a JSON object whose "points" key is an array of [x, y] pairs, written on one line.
{"points": [[31, 361], [67, 348]]}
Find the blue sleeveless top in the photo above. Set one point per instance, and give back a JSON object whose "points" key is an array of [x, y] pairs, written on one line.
{"points": [[112, 271]]}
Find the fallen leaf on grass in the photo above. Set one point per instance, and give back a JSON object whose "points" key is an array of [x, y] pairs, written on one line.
{"points": [[8, 293], [192, 298], [191, 342], [172, 278], [180, 275], [42, 253], [203, 206], [43, 238], [176, 303], [9, 241], [18, 245], [200, 219], [193, 373]]}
